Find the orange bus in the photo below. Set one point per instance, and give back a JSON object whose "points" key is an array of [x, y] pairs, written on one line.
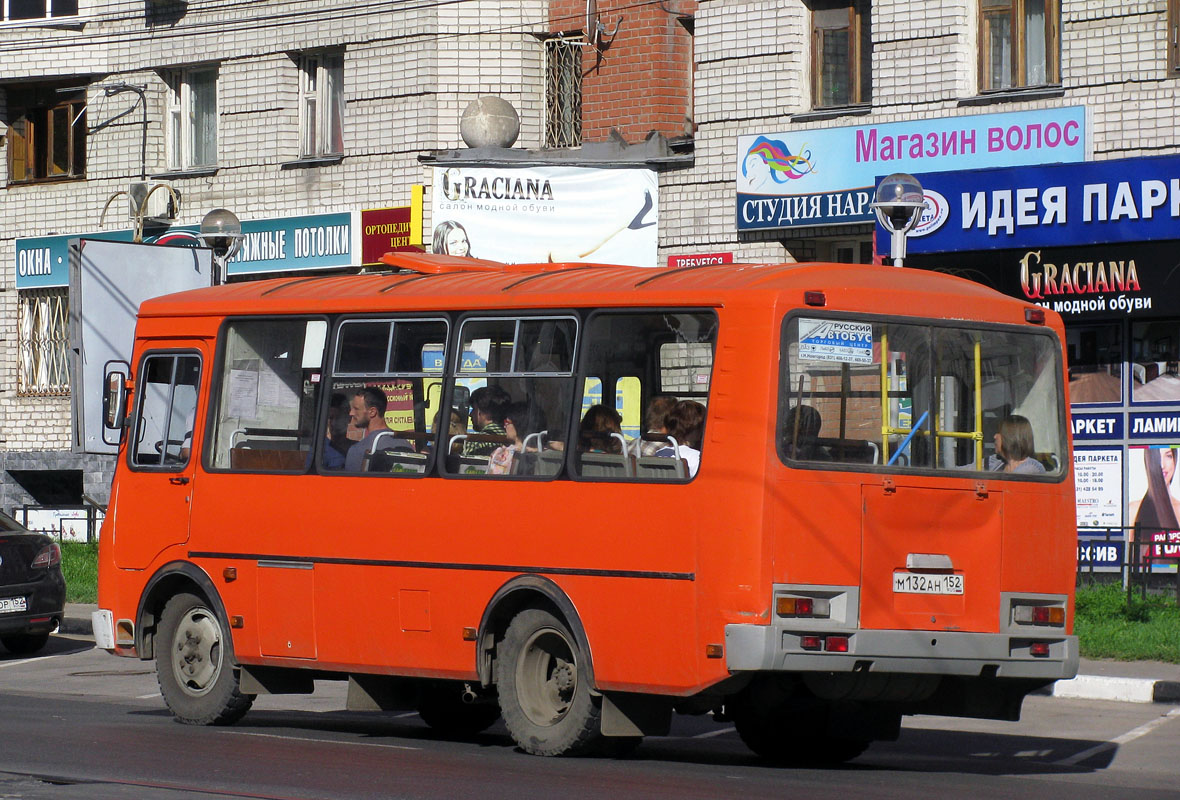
{"points": [[438, 484]]}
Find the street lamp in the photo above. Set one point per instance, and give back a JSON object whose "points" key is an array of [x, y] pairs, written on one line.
{"points": [[221, 231], [899, 205]]}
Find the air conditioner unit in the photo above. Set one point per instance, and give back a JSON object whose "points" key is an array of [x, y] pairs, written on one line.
{"points": [[151, 200]]}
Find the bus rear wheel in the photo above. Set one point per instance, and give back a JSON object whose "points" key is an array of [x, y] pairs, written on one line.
{"points": [[794, 737], [544, 687], [195, 665]]}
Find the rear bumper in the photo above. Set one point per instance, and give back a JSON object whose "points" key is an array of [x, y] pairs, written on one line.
{"points": [[775, 648], [45, 601]]}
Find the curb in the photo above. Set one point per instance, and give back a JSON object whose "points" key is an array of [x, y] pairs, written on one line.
{"points": [[1105, 687], [76, 622]]}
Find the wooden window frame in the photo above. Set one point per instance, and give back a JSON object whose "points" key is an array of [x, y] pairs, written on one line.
{"points": [[859, 53], [1015, 11], [33, 138]]}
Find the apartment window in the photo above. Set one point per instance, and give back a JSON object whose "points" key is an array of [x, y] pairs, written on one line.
{"points": [[563, 92], [19, 10], [1018, 43], [46, 134], [43, 336], [321, 105], [192, 118], [842, 52]]}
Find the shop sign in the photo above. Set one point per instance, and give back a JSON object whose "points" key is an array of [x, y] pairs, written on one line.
{"points": [[1096, 426], [522, 215], [700, 259], [386, 230], [1054, 205], [1154, 424], [1099, 552], [1098, 486], [827, 176], [314, 241], [1104, 282]]}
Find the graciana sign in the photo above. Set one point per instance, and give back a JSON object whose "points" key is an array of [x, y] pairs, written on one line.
{"points": [[827, 176]]}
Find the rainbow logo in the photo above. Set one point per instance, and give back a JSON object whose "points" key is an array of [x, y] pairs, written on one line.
{"points": [[783, 166]]}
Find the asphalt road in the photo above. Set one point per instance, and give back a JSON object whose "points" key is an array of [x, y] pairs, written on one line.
{"points": [[78, 723]]}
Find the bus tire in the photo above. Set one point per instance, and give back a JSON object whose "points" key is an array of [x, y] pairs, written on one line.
{"points": [[793, 737], [544, 687], [195, 665], [443, 709]]}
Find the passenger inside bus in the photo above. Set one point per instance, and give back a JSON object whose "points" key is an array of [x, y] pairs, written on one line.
{"points": [[601, 431], [685, 423], [366, 413], [1015, 449], [655, 435], [338, 444], [800, 433], [489, 405]]}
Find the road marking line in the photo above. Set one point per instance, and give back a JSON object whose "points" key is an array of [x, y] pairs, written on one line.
{"points": [[711, 734], [321, 741], [1127, 737], [23, 661]]}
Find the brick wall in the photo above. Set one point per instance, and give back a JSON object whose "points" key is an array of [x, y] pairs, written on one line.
{"points": [[639, 81]]}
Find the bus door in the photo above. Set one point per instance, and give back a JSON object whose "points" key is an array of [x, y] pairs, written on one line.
{"points": [[156, 486]]}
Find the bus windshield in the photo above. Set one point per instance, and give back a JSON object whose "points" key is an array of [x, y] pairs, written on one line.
{"points": [[913, 395]]}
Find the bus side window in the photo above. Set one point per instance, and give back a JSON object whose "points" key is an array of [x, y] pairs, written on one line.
{"points": [[660, 364], [167, 409], [513, 388], [270, 384], [393, 367]]}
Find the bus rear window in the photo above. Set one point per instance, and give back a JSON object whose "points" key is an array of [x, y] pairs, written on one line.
{"points": [[906, 395]]}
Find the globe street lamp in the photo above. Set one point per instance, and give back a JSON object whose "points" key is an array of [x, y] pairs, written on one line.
{"points": [[899, 205], [221, 231]]}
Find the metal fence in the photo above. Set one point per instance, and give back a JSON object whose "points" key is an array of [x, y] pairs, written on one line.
{"points": [[1144, 559]]}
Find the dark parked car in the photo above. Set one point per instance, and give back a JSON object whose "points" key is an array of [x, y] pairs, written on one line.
{"points": [[32, 589]]}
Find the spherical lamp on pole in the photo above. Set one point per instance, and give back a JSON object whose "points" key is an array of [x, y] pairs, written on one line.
{"points": [[899, 205], [221, 231]]}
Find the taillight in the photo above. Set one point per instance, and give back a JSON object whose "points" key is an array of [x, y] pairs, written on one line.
{"points": [[1039, 615], [49, 556], [1039, 649], [802, 606]]}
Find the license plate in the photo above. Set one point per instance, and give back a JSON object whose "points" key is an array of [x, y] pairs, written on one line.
{"points": [[918, 583], [11, 605]]}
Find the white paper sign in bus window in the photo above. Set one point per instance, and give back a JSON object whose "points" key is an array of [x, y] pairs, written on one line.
{"points": [[836, 340]]}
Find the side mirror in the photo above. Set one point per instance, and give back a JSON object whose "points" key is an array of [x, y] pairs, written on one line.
{"points": [[114, 398]]}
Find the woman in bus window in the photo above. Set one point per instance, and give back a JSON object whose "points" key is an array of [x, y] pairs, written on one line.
{"points": [[598, 428], [653, 422], [686, 424], [1015, 448]]}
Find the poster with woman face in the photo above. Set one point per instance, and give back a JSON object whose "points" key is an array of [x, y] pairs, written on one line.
{"points": [[1154, 489]]}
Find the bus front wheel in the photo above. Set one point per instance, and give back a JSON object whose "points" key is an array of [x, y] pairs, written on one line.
{"points": [[195, 666], [544, 687]]}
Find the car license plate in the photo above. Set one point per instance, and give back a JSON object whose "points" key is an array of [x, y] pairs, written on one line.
{"points": [[918, 583], [11, 605]]}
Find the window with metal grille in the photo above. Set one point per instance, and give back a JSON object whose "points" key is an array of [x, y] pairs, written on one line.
{"points": [[43, 341], [563, 92]]}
